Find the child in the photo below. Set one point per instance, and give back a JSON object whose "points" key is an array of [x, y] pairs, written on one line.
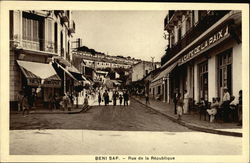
{"points": [[179, 106]]}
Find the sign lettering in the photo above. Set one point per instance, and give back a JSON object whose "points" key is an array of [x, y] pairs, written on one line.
{"points": [[204, 45]]}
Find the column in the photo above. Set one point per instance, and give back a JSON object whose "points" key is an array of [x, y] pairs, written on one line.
{"points": [[168, 85], [164, 89]]}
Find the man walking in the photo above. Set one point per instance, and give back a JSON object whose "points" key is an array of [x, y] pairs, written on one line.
{"points": [[126, 98], [106, 97]]}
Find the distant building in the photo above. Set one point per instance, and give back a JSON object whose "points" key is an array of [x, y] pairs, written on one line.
{"points": [[143, 68]]}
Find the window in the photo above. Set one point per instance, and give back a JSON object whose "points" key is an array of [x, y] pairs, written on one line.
{"points": [[179, 33], [188, 24], [33, 30], [55, 37], [225, 71], [203, 77]]}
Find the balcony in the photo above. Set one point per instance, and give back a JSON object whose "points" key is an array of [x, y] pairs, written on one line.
{"points": [[194, 32], [72, 27], [38, 46]]}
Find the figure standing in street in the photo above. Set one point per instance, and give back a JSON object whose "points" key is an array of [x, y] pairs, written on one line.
{"points": [[126, 98], [25, 105], [179, 106], [225, 105], [86, 101], [120, 98], [106, 97], [20, 98], [114, 98], [99, 98], [185, 106], [147, 99]]}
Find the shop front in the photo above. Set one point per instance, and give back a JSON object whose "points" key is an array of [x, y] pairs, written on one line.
{"points": [[39, 80], [210, 65]]}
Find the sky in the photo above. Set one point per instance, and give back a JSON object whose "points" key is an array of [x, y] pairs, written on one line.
{"points": [[137, 34]]}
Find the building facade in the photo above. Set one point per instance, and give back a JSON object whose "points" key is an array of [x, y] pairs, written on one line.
{"points": [[143, 68], [203, 55], [36, 38]]}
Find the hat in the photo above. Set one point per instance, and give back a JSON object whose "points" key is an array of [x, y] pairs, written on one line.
{"points": [[225, 88]]}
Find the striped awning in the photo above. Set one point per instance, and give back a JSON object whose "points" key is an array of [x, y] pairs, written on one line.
{"points": [[39, 74]]}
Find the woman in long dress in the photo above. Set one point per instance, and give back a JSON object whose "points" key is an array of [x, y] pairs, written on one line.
{"points": [[185, 101]]}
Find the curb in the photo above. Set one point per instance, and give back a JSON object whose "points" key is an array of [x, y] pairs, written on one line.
{"points": [[56, 112], [193, 126]]}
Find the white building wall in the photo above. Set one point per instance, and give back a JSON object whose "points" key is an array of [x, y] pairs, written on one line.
{"points": [[237, 70], [196, 84], [212, 78], [175, 34], [196, 17], [183, 26]]}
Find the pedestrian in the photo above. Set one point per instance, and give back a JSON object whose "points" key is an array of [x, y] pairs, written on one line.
{"points": [[20, 98], [70, 101], [225, 105], [57, 101], [233, 108], [65, 101], [175, 100], [99, 98], [213, 109], [147, 99], [120, 98], [126, 98], [86, 101], [185, 101], [179, 106], [106, 97], [114, 98], [25, 105]]}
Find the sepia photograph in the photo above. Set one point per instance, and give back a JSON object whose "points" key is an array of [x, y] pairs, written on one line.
{"points": [[126, 85]]}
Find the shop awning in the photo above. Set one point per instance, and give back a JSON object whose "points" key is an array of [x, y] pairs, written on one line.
{"points": [[39, 74], [165, 72]]}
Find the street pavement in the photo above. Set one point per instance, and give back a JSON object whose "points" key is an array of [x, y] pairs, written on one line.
{"points": [[93, 142], [126, 130]]}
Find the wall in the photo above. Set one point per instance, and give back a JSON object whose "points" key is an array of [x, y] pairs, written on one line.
{"points": [[237, 69], [212, 78]]}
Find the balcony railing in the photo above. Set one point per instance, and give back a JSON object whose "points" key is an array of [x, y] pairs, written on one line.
{"points": [[193, 33], [31, 44]]}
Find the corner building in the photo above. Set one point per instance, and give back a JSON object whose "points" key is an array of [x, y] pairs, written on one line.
{"points": [[204, 53], [37, 37]]}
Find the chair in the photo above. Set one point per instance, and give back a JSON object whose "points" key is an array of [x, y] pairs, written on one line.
{"points": [[203, 109]]}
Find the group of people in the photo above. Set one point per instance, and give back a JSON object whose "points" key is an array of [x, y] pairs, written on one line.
{"points": [[180, 103], [230, 107], [115, 96]]}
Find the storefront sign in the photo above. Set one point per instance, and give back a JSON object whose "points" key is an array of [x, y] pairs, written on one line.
{"points": [[48, 83], [211, 41]]}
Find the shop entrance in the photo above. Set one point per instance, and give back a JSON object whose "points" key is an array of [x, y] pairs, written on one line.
{"points": [[203, 76]]}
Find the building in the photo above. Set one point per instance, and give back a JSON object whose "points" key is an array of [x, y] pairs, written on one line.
{"points": [[204, 54], [99, 60], [37, 38], [143, 68]]}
